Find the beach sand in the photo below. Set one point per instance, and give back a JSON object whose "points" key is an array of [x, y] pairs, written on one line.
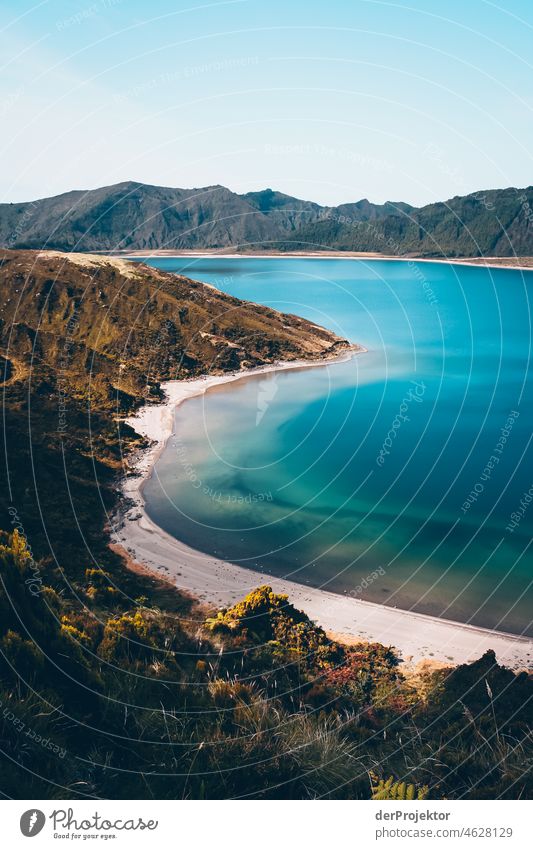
{"points": [[416, 636], [519, 263]]}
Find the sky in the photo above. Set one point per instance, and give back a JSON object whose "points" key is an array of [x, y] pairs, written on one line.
{"points": [[329, 101]]}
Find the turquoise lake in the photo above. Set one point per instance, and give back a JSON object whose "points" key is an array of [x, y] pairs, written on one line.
{"points": [[402, 476]]}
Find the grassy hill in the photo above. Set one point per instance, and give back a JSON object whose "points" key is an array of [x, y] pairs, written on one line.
{"points": [[112, 683], [126, 323], [134, 216], [84, 340], [495, 223], [106, 695]]}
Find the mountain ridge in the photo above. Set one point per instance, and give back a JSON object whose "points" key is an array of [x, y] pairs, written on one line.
{"points": [[136, 216]]}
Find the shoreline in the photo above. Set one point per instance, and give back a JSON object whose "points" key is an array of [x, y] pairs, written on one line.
{"points": [[416, 636], [471, 262]]}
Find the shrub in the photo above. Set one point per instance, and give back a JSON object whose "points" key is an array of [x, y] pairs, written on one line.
{"points": [[267, 617], [99, 587], [21, 655], [392, 789], [70, 630]]}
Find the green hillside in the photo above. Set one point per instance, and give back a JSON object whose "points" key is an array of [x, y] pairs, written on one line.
{"points": [[85, 340], [133, 216], [115, 685]]}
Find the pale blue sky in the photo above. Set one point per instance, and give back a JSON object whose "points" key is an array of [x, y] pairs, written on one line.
{"points": [[330, 101]]}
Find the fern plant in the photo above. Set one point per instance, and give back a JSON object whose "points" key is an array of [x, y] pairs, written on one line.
{"points": [[396, 790]]}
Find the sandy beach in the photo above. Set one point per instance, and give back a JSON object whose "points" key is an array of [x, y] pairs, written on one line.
{"points": [[416, 636], [518, 263]]}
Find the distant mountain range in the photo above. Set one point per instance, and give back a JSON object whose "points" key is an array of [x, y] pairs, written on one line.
{"points": [[134, 216]]}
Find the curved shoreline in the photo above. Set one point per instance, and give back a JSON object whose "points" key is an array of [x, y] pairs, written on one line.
{"points": [[470, 262], [417, 636]]}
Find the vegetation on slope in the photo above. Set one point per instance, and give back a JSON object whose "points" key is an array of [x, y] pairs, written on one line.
{"points": [[109, 697], [495, 223], [134, 216], [114, 685], [123, 323], [130, 216], [86, 340]]}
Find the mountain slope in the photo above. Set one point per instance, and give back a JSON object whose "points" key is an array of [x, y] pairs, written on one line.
{"points": [[494, 223], [125, 321], [134, 216], [83, 341]]}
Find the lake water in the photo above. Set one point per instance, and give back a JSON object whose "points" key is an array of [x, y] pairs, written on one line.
{"points": [[401, 476]]}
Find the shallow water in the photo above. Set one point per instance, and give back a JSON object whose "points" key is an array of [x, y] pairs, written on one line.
{"points": [[372, 477]]}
